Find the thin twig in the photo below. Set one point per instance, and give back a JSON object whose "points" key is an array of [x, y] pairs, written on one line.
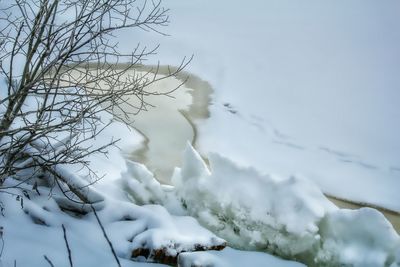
{"points": [[67, 244], [2, 241], [105, 236], [48, 260]]}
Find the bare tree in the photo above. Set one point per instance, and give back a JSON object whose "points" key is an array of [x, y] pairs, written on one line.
{"points": [[62, 69]]}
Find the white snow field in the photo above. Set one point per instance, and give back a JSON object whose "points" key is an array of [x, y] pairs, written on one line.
{"points": [[309, 87]]}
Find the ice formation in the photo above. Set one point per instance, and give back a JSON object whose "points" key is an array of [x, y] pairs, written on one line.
{"points": [[288, 217]]}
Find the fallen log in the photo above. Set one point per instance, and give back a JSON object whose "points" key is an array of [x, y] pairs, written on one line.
{"points": [[164, 255]]}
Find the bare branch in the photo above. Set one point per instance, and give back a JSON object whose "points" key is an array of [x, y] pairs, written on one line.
{"points": [[71, 73], [67, 244], [48, 261], [105, 236]]}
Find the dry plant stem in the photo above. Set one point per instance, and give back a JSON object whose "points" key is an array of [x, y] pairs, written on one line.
{"points": [[105, 236], [48, 261], [2, 241], [67, 244]]}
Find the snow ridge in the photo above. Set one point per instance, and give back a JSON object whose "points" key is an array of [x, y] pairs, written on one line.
{"points": [[287, 217]]}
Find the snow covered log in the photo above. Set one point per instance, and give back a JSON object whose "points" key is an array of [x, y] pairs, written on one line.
{"points": [[150, 233], [164, 256]]}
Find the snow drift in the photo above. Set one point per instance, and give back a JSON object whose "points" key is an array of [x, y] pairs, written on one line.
{"points": [[131, 229], [288, 217], [33, 211]]}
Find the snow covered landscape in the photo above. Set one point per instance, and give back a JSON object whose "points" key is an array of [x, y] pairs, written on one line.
{"points": [[275, 144]]}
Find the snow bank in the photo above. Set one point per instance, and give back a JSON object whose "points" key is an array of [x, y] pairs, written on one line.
{"points": [[33, 225], [152, 228], [250, 210], [232, 258], [35, 230], [358, 238], [288, 217]]}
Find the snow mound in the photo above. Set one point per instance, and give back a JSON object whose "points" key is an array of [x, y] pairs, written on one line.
{"points": [[152, 228], [358, 238], [287, 217], [139, 182], [251, 210], [142, 188], [129, 227]]}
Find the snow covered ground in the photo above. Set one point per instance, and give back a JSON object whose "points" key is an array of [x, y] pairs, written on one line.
{"points": [[303, 90], [285, 216], [233, 258], [306, 87], [32, 221]]}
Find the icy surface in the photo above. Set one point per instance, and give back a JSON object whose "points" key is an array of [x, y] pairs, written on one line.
{"points": [[249, 209], [306, 87]]}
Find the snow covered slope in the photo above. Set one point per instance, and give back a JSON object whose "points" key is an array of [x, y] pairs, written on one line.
{"points": [[37, 225], [308, 87]]}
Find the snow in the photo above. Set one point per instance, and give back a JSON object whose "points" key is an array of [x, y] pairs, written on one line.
{"points": [[288, 210], [232, 258], [348, 234], [127, 225], [306, 97], [34, 226], [314, 86], [32, 219], [26, 242], [286, 216]]}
